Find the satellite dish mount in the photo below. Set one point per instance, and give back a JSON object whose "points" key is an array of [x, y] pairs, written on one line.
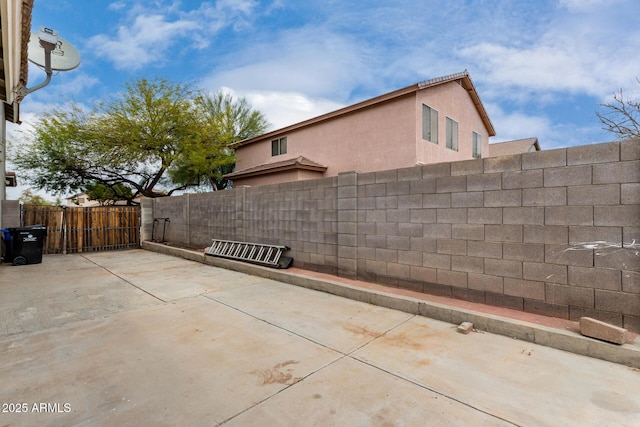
{"points": [[51, 52]]}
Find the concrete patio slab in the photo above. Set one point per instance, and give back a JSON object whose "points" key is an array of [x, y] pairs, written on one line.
{"points": [[338, 323], [367, 396], [233, 349], [503, 376], [195, 362], [552, 332], [61, 290], [167, 280]]}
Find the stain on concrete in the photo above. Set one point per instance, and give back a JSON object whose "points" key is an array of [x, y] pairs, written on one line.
{"points": [[279, 375], [361, 330]]}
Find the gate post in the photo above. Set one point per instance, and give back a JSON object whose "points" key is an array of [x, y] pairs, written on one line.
{"points": [[146, 219]]}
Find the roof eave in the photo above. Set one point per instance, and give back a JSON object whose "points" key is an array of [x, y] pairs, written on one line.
{"points": [[295, 166]]}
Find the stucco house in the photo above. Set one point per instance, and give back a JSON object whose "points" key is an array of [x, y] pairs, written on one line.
{"points": [[437, 120]]}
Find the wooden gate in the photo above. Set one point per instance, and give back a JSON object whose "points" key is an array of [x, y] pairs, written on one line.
{"points": [[76, 229]]}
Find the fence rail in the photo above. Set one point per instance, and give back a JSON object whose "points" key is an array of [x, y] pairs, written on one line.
{"points": [[77, 229]]}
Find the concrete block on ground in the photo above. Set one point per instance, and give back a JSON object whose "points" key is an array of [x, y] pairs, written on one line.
{"points": [[603, 331], [465, 327]]}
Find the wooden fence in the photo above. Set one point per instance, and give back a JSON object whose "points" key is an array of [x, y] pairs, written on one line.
{"points": [[76, 229]]}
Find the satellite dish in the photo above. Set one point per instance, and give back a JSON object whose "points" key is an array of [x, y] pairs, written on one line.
{"points": [[52, 53], [64, 57]]}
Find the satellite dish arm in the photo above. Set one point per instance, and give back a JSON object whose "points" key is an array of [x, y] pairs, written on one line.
{"points": [[48, 48]]}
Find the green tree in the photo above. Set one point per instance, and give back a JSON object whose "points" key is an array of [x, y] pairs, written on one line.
{"points": [[621, 116], [225, 121], [28, 198], [108, 195], [153, 139]]}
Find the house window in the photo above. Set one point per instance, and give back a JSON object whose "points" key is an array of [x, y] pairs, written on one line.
{"points": [[477, 145], [279, 146], [429, 124], [452, 134]]}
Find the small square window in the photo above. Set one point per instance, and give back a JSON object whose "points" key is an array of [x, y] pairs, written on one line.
{"points": [[429, 124], [477, 145], [452, 134], [279, 146]]}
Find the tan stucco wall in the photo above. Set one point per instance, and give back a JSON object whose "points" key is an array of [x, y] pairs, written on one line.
{"points": [[450, 100], [365, 141]]}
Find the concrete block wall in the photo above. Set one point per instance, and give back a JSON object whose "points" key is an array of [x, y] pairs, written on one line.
{"points": [[554, 232], [302, 215]]}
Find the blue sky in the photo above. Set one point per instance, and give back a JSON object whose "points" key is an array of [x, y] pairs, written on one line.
{"points": [[541, 68]]}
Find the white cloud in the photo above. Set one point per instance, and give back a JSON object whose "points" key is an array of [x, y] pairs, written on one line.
{"points": [[146, 41], [310, 60], [517, 125], [117, 5], [577, 52], [157, 35], [296, 75], [286, 108]]}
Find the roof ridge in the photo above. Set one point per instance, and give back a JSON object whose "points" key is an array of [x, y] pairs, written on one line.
{"points": [[442, 79]]}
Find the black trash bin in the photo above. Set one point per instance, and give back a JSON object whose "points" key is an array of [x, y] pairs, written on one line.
{"points": [[25, 244]]}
